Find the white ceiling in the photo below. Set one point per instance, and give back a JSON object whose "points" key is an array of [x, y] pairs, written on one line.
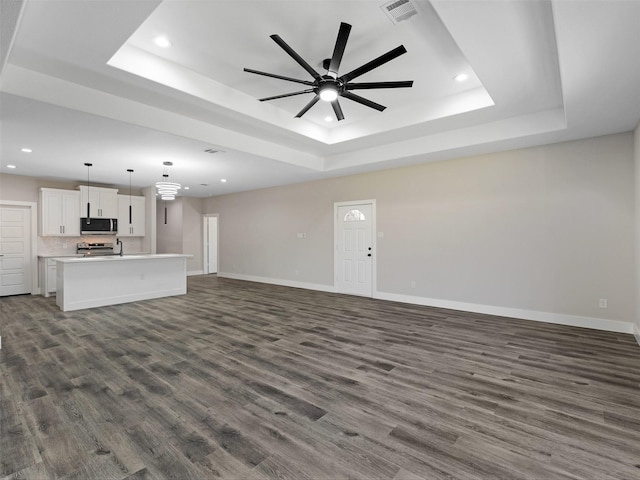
{"points": [[82, 81]]}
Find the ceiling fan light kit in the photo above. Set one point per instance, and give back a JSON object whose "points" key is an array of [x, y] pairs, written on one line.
{"points": [[330, 87], [328, 92]]}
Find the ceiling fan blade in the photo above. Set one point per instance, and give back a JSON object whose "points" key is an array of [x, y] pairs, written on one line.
{"points": [[273, 75], [375, 63], [363, 101], [337, 110], [306, 108], [338, 50], [295, 56], [309, 90], [370, 85]]}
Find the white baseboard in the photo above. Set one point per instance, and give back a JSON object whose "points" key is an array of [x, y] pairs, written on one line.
{"points": [[195, 272], [548, 317], [279, 281], [636, 333]]}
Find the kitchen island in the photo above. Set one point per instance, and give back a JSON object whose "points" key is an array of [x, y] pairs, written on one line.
{"points": [[88, 282]]}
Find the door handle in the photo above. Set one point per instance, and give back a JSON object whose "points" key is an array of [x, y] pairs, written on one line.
{"points": [[368, 254]]}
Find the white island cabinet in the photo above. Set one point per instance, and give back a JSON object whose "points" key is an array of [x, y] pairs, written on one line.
{"points": [[98, 281]]}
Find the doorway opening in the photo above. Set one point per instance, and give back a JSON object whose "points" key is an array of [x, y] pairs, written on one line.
{"points": [[210, 244]]}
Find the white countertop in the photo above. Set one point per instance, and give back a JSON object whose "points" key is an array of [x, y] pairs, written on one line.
{"points": [[118, 258], [83, 255]]}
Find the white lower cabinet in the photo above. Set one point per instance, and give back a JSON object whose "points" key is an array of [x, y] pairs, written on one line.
{"points": [[48, 272]]}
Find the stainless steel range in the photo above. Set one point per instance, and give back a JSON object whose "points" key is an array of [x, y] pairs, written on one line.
{"points": [[94, 249]]}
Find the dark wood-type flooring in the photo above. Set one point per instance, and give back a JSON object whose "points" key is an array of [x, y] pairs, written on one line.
{"points": [[238, 380]]}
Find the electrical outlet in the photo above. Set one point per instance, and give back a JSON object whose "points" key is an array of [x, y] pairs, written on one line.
{"points": [[602, 303]]}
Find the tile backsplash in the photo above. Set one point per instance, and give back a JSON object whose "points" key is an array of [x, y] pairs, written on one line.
{"points": [[67, 245]]}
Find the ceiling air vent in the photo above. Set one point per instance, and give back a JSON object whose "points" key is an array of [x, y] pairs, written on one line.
{"points": [[399, 10], [213, 150]]}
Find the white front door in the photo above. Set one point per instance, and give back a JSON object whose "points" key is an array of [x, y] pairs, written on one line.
{"points": [[211, 245], [354, 249], [15, 250]]}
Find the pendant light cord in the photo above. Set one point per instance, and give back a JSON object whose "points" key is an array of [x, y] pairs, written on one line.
{"points": [[88, 165], [130, 209]]}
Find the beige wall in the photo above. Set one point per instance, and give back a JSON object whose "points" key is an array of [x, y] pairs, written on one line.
{"points": [[545, 229], [169, 235], [183, 231], [636, 157], [192, 241], [18, 188]]}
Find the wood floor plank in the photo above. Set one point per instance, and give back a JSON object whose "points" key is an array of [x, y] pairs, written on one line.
{"points": [[246, 381]]}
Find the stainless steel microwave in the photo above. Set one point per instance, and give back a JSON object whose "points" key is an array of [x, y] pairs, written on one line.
{"points": [[98, 226]]}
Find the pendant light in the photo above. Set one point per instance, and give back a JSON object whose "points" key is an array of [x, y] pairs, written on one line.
{"points": [[162, 190], [88, 165], [165, 211], [130, 209], [166, 189]]}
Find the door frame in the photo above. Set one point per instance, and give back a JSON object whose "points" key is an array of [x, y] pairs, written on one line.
{"points": [[374, 236], [33, 212], [205, 249]]}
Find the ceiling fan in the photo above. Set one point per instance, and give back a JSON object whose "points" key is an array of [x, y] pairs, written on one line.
{"points": [[331, 86]]}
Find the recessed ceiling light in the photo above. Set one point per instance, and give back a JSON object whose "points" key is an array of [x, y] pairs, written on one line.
{"points": [[26, 150], [11, 166], [162, 42], [186, 188], [328, 119], [223, 180], [461, 77]]}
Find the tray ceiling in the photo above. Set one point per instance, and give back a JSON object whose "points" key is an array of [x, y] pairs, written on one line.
{"points": [[85, 80]]}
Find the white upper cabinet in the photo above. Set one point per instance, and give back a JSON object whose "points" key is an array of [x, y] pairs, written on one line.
{"points": [[136, 227], [59, 212], [103, 201]]}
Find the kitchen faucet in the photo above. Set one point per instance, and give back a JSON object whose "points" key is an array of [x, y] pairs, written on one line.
{"points": [[118, 241]]}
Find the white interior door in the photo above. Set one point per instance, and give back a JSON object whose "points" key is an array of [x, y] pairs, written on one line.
{"points": [[212, 244], [15, 250], [354, 249]]}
